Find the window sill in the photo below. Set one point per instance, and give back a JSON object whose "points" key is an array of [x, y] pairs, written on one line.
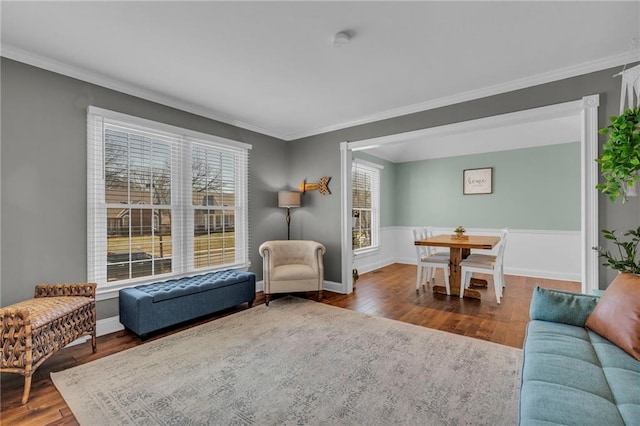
{"points": [[112, 291]]}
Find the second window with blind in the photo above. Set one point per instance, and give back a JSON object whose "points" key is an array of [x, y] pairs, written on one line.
{"points": [[365, 193]]}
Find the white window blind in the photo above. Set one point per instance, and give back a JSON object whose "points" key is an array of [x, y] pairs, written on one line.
{"points": [[365, 194], [218, 205], [162, 201]]}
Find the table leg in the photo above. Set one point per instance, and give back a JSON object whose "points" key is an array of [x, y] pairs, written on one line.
{"points": [[456, 255]]}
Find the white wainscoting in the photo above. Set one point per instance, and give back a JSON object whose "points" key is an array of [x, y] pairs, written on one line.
{"points": [[532, 253]]}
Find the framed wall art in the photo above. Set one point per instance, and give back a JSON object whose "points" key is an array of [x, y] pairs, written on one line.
{"points": [[477, 181]]}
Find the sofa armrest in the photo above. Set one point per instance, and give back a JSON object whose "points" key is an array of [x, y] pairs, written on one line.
{"points": [[561, 306]]}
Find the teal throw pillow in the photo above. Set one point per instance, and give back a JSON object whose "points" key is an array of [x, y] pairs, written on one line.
{"points": [[561, 306]]}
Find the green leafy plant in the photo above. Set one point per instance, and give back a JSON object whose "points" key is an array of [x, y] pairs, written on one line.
{"points": [[460, 230], [620, 160], [627, 256]]}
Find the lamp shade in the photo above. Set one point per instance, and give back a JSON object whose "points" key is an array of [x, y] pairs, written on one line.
{"points": [[288, 199]]}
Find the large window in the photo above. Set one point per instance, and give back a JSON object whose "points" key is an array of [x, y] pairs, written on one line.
{"points": [[162, 201], [365, 195]]}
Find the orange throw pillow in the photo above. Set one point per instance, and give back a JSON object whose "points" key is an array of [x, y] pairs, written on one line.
{"points": [[617, 314]]}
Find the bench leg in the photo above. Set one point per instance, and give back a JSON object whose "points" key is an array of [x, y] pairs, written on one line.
{"points": [[27, 389], [93, 342]]}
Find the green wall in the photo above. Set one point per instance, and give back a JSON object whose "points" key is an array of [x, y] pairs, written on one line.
{"points": [[533, 188]]}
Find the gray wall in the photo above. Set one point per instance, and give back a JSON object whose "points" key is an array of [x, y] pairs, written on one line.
{"points": [[43, 169], [44, 175], [533, 188], [321, 153]]}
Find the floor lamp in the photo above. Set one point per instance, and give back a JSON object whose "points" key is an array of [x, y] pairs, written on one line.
{"points": [[288, 199]]}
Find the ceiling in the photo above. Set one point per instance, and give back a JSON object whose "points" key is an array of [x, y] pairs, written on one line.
{"points": [[526, 134], [271, 66]]}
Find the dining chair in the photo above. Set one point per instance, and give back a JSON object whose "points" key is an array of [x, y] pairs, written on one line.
{"points": [[486, 263], [429, 260]]}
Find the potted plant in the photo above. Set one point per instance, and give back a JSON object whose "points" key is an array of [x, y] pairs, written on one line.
{"points": [[619, 166], [354, 271], [459, 231], [627, 256], [620, 160]]}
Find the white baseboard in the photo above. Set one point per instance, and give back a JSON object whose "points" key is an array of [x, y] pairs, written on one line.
{"points": [[523, 272], [550, 275], [108, 325], [333, 286]]}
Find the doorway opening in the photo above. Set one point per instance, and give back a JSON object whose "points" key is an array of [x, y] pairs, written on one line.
{"points": [[584, 110]]}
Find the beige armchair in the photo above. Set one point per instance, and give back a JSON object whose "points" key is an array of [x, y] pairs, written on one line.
{"points": [[292, 266]]}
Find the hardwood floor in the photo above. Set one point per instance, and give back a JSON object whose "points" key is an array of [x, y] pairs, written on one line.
{"points": [[388, 292]]}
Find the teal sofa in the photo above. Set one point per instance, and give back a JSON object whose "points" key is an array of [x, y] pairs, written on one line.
{"points": [[571, 375]]}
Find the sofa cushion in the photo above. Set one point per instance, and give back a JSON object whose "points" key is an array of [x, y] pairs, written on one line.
{"points": [[623, 375], [172, 289], [552, 404], [617, 314], [561, 306], [562, 380]]}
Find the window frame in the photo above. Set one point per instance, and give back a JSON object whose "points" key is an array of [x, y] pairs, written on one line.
{"points": [[375, 171], [182, 209]]}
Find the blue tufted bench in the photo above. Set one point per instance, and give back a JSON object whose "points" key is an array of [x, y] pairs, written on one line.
{"points": [[150, 307]]}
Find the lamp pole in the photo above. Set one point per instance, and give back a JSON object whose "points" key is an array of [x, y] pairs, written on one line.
{"points": [[288, 199]]}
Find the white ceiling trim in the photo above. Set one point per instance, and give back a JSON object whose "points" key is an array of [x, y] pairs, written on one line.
{"points": [[565, 109], [510, 86], [99, 79], [153, 96]]}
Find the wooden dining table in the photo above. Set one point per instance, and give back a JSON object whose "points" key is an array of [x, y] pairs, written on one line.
{"points": [[459, 249]]}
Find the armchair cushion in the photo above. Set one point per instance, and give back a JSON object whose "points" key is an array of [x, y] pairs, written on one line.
{"points": [[292, 266], [293, 272]]}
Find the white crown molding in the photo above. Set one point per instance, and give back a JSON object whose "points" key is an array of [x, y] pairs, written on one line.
{"points": [[99, 79], [565, 109], [510, 86]]}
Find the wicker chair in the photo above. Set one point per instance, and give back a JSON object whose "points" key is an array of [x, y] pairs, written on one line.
{"points": [[35, 329]]}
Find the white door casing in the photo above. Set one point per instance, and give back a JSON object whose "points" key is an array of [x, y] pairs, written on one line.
{"points": [[585, 109]]}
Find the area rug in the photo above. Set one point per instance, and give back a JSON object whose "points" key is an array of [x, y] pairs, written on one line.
{"points": [[299, 362]]}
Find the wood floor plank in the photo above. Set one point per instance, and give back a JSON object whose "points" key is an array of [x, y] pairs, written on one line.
{"points": [[389, 292]]}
